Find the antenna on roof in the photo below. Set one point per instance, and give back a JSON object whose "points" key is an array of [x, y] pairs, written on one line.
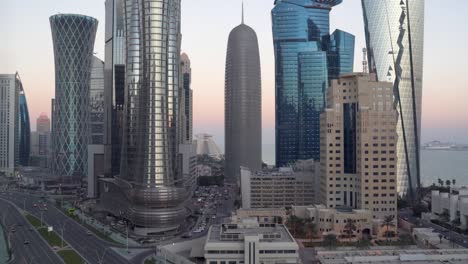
{"points": [[242, 12]]}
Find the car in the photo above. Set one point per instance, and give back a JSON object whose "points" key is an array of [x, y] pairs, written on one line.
{"points": [[89, 233], [13, 230], [34, 205], [26, 242]]}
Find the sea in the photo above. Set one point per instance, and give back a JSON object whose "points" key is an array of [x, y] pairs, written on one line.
{"points": [[435, 164]]}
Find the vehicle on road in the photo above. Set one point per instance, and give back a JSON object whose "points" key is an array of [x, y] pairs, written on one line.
{"points": [[26, 242], [89, 233]]}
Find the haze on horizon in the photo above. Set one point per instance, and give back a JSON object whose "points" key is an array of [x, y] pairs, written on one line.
{"points": [[27, 48]]}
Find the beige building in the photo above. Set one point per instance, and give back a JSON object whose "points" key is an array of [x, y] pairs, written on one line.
{"points": [[263, 215], [279, 188], [358, 146], [333, 221]]}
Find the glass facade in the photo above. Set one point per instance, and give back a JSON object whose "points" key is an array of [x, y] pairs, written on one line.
{"points": [[395, 39], [73, 39], [24, 129], [307, 57], [96, 102]]}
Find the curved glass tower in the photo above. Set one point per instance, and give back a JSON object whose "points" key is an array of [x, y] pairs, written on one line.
{"points": [[395, 37], [149, 192], [24, 126], [307, 57], [243, 103], [73, 39]]}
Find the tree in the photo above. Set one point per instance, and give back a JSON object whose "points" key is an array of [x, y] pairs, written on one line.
{"points": [[330, 241], [364, 243], [454, 182], [388, 222], [419, 208], [440, 238], [349, 228], [295, 225], [448, 182], [440, 181], [445, 216], [309, 228]]}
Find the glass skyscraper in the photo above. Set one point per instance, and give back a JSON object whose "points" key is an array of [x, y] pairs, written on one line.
{"points": [[96, 102], [395, 39], [73, 39], [307, 57], [24, 127]]}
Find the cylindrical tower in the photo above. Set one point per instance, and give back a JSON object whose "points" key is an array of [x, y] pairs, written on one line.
{"points": [[73, 38], [243, 103]]}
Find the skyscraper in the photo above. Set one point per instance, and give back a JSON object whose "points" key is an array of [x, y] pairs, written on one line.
{"points": [[24, 126], [9, 119], [114, 85], [73, 39], [307, 57], [243, 102], [395, 39], [186, 100], [358, 132], [96, 102], [149, 193], [43, 134]]}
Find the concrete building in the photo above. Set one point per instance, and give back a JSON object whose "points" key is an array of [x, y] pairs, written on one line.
{"points": [[358, 135], [333, 221], [41, 142], [250, 242], [454, 205], [393, 256], [186, 100], [394, 33], [279, 188], [262, 215], [9, 123], [243, 103]]}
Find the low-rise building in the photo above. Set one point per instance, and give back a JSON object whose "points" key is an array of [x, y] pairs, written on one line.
{"points": [[333, 221], [393, 256], [279, 188], [451, 206], [250, 242], [263, 215]]}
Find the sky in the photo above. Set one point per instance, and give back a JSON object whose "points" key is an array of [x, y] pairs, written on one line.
{"points": [[26, 47]]}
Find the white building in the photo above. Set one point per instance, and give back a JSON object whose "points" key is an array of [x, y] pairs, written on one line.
{"points": [[455, 205], [188, 161], [250, 242], [9, 110], [281, 187], [207, 146]]}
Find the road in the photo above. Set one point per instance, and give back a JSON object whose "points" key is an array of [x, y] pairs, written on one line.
{"points": [[93, 249], [458, 238], [37, 251]]}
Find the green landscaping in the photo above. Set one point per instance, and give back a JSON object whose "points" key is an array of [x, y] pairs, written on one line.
{"points": [[33, 220], [150, 261], [70, 257], [51, 237]]}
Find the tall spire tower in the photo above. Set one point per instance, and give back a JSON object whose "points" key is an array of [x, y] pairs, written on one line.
{"points": [[242, 12]]}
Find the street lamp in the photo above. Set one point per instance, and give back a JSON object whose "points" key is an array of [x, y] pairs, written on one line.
{"points": [[101, 257], [63, 229]]}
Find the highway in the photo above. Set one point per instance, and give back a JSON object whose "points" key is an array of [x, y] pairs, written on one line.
{"points": [[37, 251], [93, 249]]}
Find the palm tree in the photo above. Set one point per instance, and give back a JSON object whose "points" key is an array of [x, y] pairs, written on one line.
{"points": [[440, 181], [454, 182], [349, 228], [448, 182], [294, 224], [388, 222]]}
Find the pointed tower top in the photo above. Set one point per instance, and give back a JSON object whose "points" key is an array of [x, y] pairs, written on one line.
{"points": [[242, 12]]}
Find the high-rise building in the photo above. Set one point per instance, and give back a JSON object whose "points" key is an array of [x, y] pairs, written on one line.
{"points": [[207, 146], [149, 192], [395, 39], [24, 127], [243, 102], [9, 119], [40, 141], [73, 39], [96, 102], [186, 100], [358, 138], [43, 123], [307, 57], [114, 85]]}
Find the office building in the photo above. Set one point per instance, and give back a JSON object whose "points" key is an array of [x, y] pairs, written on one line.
{"points": [[450, 207], [186, 100], [395, 42], [73, 40], [307, 57], [207, 146], [358, 135], [243, 103], [40, 142], [150, 193], [114, 84], [250, 242], [96, 102], [9, 123], [333, 221], [24, 127], [279, 188]]}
